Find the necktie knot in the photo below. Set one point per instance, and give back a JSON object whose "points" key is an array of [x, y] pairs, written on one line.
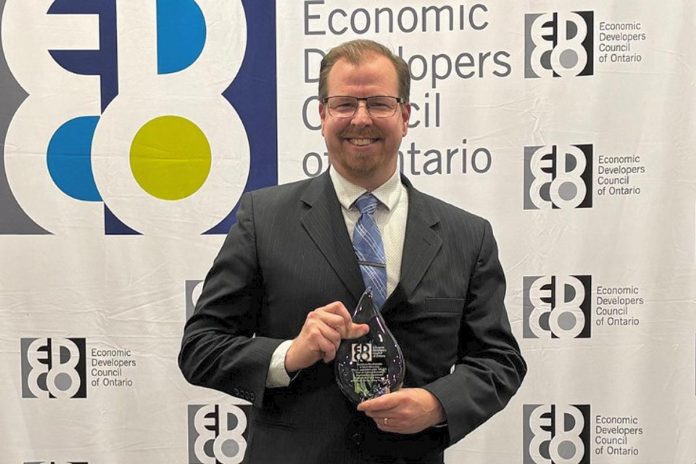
{"points": [[367, 203]]}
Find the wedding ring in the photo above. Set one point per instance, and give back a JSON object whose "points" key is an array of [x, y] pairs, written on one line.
{"points": [[386, 421]]}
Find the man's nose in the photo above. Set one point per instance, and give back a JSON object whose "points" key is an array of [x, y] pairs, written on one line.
{"points": [[362, 115]]}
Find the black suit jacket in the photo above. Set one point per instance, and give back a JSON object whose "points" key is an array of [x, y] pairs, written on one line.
{"points": [[290, 253]]}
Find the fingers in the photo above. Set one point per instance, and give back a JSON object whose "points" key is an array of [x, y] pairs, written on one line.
{"points": [[320, 327], [356, 330], [346, 327], [384, 410], [380, 406], [409, 410], [389, 424], [336, 308], [321, 335], [336, 316]]}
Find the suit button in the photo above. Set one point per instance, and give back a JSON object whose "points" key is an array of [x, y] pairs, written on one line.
{"points": [[357, 438]]}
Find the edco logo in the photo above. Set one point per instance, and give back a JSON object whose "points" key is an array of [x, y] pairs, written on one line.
{"points": [[557, 306], [133, 118], [558, 44], [556, 434], [53, 367], [558, 177], [217, 433], [361, 352]]}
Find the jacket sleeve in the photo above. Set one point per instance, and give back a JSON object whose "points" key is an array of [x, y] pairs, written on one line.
{"points": [[490, 367], [219, 349]]}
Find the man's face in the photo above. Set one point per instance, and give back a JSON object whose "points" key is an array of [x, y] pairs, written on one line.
{"points": [[364, 149]]}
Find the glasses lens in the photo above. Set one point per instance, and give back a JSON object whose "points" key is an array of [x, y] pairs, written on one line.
{"points": [[343, 107], [381, 107]]}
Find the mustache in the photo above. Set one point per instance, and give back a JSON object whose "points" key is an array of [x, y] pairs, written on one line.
{"points": [[352, 134]]}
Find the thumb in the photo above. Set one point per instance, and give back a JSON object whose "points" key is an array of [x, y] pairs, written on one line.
{"points": [[357, 330]]}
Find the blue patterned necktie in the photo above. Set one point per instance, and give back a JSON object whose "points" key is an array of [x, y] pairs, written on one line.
{"points": [[369, 248]]}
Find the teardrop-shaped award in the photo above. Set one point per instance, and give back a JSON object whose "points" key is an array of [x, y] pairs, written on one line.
{"points": [[373, 364]]}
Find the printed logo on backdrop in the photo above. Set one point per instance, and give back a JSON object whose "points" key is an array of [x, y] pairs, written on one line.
{"points": [[557, 306], [618, 175], [217, 433], [192, 291], [53, 368], [620, 42], [564, 307], [163, 114], [616, 435], [559, 44], [556, 434], [60, 368], [618, 306], [558, 176]]}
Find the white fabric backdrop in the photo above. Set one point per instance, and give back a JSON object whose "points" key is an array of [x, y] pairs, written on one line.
{"points": [[585, 168]]}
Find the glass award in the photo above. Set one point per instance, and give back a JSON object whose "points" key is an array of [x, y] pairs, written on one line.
{"points": [[373, 364]]}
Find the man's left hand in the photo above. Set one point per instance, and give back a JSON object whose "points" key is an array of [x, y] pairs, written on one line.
{"points": [[408, 410]]}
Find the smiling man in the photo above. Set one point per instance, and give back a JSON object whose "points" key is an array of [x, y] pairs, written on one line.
{"points": [[275, 305]]}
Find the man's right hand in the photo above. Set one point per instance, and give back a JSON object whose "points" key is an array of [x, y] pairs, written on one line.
{"points": [[321, 336]]}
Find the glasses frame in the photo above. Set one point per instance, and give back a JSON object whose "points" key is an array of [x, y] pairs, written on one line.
{"points": [[325, 101]]}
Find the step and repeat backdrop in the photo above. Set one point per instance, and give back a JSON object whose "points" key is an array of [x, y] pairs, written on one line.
{"points": [[129, 130]]}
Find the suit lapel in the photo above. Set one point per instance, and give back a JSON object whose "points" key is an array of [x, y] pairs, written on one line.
{"points": [[421, 244], [326, 226]]}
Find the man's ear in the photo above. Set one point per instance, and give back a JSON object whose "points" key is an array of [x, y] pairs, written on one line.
{"points": [[405, 115], [322, 115]]}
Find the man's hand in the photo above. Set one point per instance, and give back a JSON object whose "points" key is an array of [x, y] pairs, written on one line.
{"points": [[321, 336], [408, 410]]}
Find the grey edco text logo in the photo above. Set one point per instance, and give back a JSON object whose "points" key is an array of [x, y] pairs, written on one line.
{"points": [[559, 44], [53, 367], [556, 306], [217, 433], [556, 434], [558, 176]]}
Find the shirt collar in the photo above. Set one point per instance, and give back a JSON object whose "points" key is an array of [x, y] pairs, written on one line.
{"points": [[388, 193]]}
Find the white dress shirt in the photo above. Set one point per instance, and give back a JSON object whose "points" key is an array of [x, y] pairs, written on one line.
{"points": [[391, 215]]}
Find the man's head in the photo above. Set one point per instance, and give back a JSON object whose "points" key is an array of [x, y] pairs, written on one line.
{"points": [[354, 52], [363, 146]]}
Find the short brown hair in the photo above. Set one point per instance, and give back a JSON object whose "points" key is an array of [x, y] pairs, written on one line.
{"points": [[355, 51]]}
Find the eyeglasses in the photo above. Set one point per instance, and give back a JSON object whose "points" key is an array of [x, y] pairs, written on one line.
{"points": [[379, 106]]}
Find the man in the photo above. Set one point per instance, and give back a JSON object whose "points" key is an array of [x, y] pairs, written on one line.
{"points": [[277, 301]]}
